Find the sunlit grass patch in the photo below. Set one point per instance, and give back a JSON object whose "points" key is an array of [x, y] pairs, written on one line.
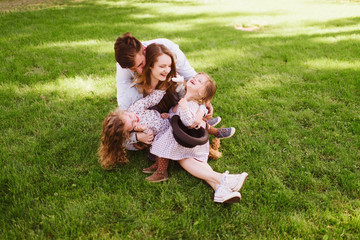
{"points": [[325, 63]]}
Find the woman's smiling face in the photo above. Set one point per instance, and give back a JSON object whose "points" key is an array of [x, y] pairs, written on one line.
{"points": [[161, 68]]}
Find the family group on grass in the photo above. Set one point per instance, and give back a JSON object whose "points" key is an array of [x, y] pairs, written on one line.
{"points": [[164, 107]]}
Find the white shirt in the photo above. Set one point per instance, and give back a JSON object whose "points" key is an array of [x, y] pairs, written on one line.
{"points": [[127, 93]]}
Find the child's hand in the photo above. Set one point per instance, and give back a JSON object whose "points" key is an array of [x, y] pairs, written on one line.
{"points": [[145, 137], [140, 128], [198, 119], [183, 104], [165, 115]]}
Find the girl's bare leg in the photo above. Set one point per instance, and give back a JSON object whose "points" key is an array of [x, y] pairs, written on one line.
{"points": [[202, 170]]}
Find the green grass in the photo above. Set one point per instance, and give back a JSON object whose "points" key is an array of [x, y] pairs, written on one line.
{"points": [[291, 90]]}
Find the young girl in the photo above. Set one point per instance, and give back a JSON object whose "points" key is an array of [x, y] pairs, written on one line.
{"points": [[194, 160], [119, 124]]}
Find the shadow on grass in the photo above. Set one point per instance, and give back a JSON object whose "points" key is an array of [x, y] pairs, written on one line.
{"points": [[63, 39], [51, 43], [344, 22]]}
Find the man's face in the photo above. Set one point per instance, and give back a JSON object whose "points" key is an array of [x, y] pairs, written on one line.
{"points": [[139, 62]]}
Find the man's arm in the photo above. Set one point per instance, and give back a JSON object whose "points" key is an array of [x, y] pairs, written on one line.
{"points": [[126, 94], [183, 66]]}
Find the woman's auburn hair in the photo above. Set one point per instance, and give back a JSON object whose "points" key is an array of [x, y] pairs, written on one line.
{"points": [[111, 150], [143, 83]]}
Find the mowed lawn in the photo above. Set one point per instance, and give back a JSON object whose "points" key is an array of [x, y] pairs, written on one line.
{"points": [[290, 87]]}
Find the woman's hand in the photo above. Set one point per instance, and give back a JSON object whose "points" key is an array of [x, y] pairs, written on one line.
{"points": [[145, 137], [165, 115]]}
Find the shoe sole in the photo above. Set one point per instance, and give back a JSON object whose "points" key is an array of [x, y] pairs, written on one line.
{"points": [[156, 181], [238, 187], [234, 198], [148, 171]]}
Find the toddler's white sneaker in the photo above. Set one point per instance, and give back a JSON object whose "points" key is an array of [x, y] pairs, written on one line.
{"points": [[235, 181], [224, 194]]}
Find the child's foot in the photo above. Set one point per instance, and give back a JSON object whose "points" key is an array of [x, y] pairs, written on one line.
{"points": [[214, 121], [225, 132], [150, 169], [235, 181], [223, 194], [158, 176]]}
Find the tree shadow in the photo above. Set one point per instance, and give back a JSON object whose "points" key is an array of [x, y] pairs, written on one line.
{"points": [[343, 22], [66, 38]]}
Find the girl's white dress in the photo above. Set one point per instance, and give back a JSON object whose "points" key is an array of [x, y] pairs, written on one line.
{"points": [[165, 145], [150, 118]]}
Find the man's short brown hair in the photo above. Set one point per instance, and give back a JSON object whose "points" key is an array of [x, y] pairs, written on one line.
{"points": [[126, 48]]}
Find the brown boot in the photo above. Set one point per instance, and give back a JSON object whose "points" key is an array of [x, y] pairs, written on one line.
{"points": [[161, 172], [151, 169], [158, 176]]}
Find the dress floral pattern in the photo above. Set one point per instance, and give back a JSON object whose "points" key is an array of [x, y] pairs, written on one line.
{"points": [[150, 118]]}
